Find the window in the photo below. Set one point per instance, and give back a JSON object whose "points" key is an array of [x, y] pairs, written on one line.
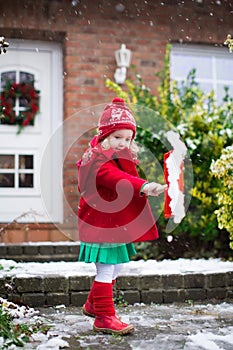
{"points": [[11, 77], [214, 67], [16, 170]]}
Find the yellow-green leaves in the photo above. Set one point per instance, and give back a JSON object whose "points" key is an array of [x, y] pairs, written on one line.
{"points": [[222, 168]]}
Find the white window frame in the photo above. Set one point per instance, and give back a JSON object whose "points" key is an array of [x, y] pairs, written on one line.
{"points": [[16, 191]]}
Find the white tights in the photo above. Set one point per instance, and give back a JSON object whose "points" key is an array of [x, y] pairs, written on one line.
{"points": [[106, 273]]}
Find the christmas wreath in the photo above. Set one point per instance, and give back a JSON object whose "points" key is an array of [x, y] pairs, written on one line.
{"points": [[19, 105]]}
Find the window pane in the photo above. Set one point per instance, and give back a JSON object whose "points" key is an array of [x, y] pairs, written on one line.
{"points": [[25, 162], [25, 77], [7, 77], [182, 64], [224, 69], [7, 161], [206, 87], [7, 180], [204, 67], [221, 92], [23, 102], [177, 66], [25, 180]]}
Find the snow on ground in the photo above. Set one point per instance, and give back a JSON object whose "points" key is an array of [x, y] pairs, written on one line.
{"points": [[208, 340], [163, 327], [141, 267]]}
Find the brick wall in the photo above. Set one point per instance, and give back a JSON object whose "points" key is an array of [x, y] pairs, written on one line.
{"points": [[90, 32]]}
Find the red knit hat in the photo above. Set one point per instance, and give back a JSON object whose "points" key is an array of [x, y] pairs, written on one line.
{"points": [[116, 116]]}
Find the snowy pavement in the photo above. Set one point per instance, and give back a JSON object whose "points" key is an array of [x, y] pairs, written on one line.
{"points": [[157, 327]]}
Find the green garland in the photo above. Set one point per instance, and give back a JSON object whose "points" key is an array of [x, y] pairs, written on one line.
{"points": [[8, 97]]}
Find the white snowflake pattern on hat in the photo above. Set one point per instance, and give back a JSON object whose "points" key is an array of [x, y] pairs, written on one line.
{"points": [[119, 115]]}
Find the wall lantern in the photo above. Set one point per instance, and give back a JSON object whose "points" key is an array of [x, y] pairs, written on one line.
{"points": [[123, 59]]}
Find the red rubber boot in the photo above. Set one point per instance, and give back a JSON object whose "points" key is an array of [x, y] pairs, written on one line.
{"points": [[106, 320], [112, 324], [88, 307]]}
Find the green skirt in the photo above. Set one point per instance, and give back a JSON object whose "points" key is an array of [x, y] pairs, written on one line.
{"points": [[106, 253]]}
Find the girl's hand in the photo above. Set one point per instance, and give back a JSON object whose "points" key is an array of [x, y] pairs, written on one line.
{"points": [[153, 189]]}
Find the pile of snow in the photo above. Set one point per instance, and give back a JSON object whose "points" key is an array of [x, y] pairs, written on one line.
{"points": [[137, 268], [209, 340], [28, 315], [17, 311]]}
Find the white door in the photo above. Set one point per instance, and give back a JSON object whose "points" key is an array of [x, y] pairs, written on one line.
{"points": [[21, 154]]}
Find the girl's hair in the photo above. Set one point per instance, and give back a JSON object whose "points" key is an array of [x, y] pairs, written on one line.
{"points": [[133, 147]]}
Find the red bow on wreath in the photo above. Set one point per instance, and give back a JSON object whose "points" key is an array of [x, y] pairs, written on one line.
{"points": [[19, 104]]}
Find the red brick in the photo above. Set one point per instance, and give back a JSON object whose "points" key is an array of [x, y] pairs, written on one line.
{"points": [[14, 236], [56, 236], [39, 235]]}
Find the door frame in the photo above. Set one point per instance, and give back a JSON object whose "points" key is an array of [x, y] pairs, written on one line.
{"points": [[55, 120]]}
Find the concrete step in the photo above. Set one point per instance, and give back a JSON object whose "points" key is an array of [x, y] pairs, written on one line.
{"points": [[56, 289], [40, 251]]}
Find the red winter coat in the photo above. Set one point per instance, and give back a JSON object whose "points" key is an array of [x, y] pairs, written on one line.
{"points": [[111, 208]]}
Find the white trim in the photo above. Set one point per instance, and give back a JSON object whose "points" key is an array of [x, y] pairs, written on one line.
{"points": [[196, 49]]}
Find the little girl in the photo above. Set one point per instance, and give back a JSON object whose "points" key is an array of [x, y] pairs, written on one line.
{"points": [[113, 211]]}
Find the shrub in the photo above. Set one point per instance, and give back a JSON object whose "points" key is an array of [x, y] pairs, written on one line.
{"points": [[222, 168], [14, 332]]}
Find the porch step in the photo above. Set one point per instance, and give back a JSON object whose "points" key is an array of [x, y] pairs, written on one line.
{"points": [[72, 290], [40, 251]]}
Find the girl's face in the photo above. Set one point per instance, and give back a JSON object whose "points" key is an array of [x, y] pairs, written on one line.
{"points": [[120, 139]]}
